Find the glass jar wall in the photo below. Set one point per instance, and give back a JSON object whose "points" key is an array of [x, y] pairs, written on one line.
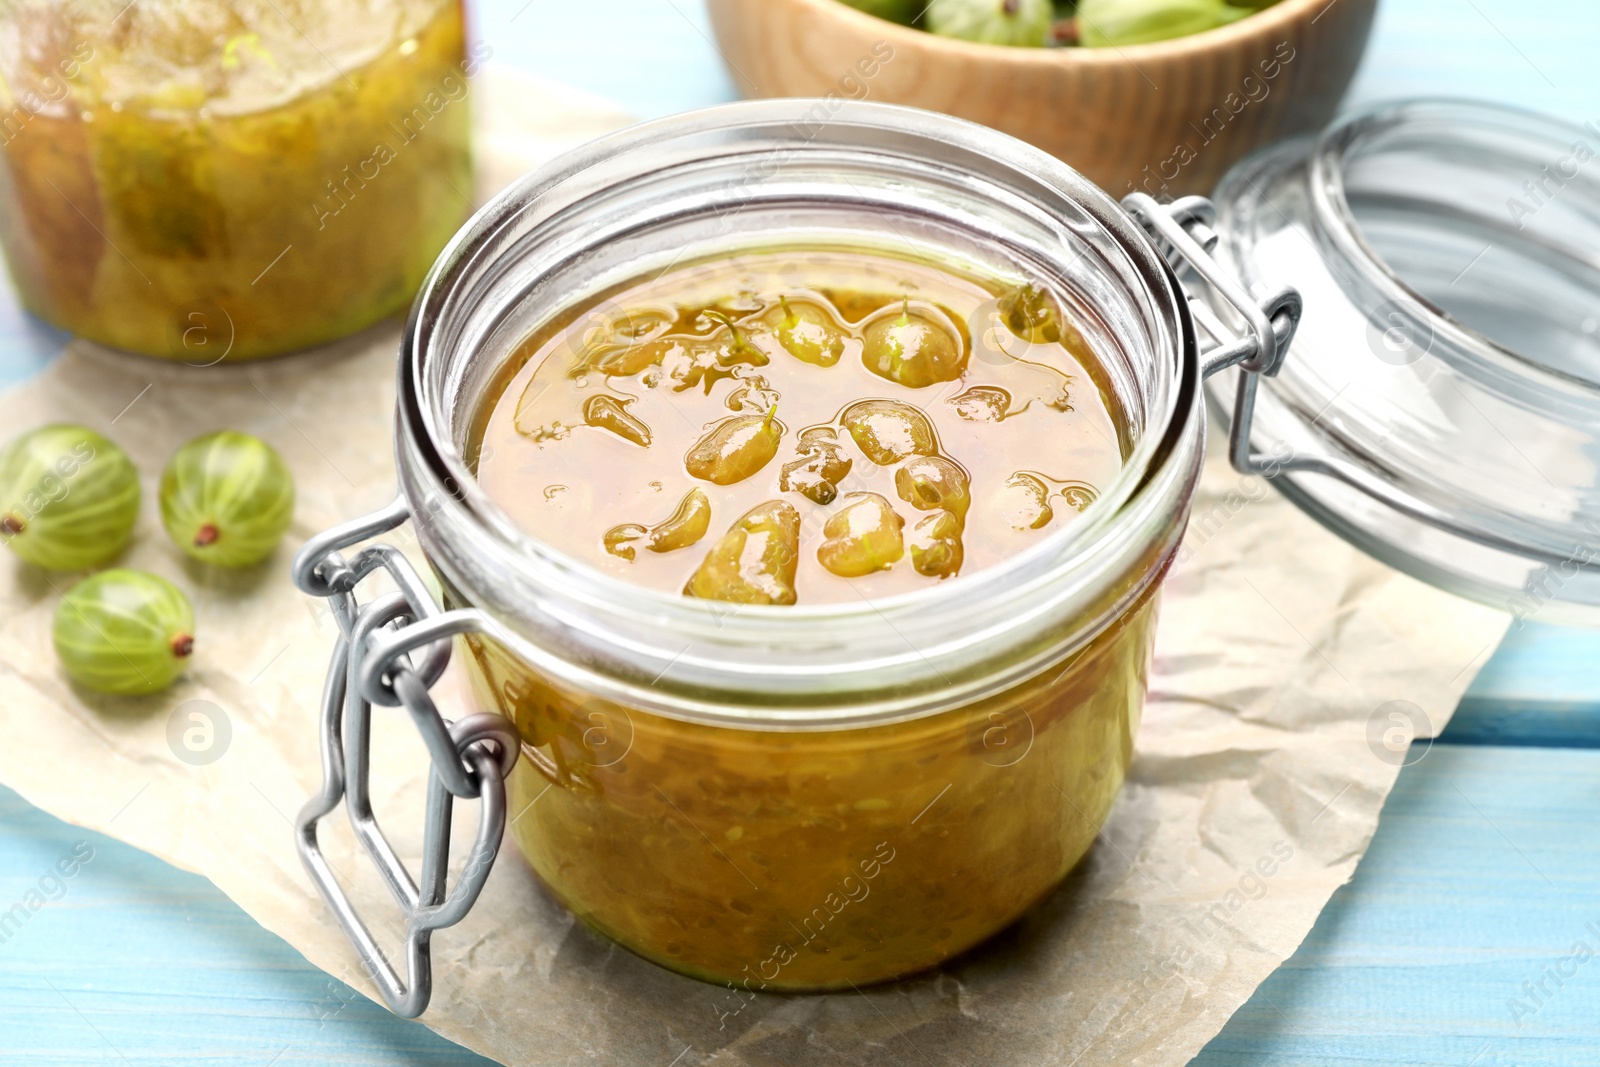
{"points": [[806, 860]]}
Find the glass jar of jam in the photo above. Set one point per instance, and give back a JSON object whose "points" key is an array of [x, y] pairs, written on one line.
{"points": [[803, 482], [213, 179]]}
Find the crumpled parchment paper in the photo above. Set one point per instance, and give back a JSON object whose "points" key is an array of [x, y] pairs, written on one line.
{"points": [[1289, 669]]}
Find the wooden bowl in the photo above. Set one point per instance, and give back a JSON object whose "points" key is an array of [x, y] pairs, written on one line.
{"points": [[1166, 118]]}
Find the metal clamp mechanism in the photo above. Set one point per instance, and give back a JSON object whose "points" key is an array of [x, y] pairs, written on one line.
{"points": [[1184, 235], [372, 664]]}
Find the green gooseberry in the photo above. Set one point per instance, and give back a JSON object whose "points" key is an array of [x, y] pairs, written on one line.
{"points": [[1030, 315], [1019, 23], [69, 498], [916, 348], [1114, 23], [124, 631], [901, 11], [227, 498], [807, 332]]}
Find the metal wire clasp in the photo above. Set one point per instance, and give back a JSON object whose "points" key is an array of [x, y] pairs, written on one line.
{"points": [[1184, 235], [373, 664]]}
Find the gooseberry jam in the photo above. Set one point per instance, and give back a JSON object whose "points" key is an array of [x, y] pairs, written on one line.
{"points": [[212, 179], [811, 425], [814, 859], [802, 426]]}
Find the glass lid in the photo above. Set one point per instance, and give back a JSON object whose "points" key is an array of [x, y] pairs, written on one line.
{"points": [[1440, 405]]}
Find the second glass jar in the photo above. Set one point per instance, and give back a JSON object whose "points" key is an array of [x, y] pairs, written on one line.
{"points": [[199, 181]]}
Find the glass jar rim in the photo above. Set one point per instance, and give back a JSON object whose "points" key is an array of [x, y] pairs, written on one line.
{"points": [[1406, 423], [1350, 135], [571, 618]]}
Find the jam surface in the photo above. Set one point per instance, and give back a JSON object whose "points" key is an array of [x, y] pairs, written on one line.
{"points": [[804, 426]]}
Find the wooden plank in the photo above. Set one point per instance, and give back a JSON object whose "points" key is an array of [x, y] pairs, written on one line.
{"points": [[1542, 688], [1535, 55], [651, 57], [1481, 876], [129, 959]]}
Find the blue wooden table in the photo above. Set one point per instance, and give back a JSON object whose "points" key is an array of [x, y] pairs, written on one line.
{"points": [[1469, 936]]}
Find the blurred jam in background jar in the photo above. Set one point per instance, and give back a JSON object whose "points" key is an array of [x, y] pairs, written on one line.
{"points": [[210, 179]]}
